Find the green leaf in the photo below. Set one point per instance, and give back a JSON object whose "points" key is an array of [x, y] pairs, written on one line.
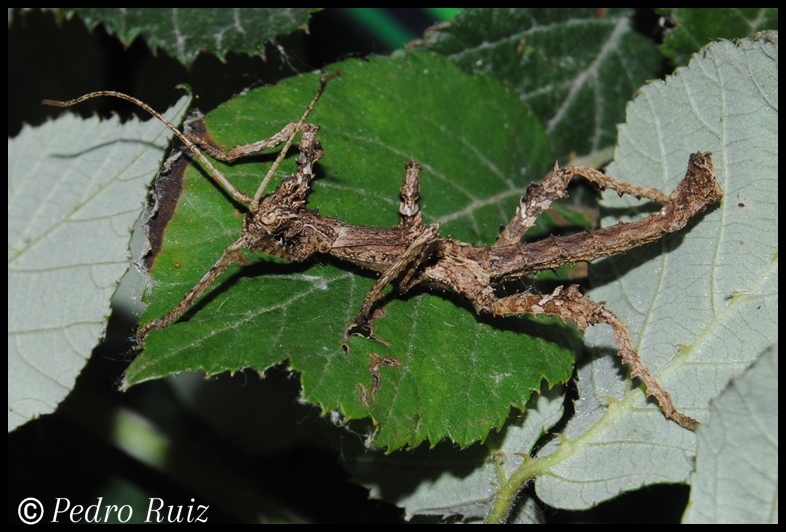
{"points": [[696, 27], [75, 188], [185, 32], [480, 149], [736, 476], [702, 304], [578, 91]]}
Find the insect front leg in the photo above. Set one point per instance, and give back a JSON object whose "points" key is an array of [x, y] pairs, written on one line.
{"points": [[197, 133], [230, 256], [196, 130]]}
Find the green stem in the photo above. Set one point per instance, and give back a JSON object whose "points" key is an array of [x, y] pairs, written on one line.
{"points": [[531, 468]]}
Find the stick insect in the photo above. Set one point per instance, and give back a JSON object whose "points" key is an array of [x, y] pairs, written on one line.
{"points": [[413, 253]]}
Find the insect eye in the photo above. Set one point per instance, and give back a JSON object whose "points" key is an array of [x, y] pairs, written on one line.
{"points": [[269, 218]]}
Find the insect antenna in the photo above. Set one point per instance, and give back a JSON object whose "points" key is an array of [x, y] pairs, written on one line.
{"points": [[215, 173], [298, 127]]}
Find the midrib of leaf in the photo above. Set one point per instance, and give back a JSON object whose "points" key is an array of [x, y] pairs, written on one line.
{"points": [[478, 203], [726, 316], [591, 72], [537, 62], [54, 196]]}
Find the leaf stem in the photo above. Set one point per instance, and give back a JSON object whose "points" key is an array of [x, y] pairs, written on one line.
{"points": [[531, 468]]}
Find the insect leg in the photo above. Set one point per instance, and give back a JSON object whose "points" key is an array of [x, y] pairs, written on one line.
{"points": [[570, 305]]}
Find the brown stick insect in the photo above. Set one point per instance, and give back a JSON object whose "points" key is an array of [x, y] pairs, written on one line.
{"points": [[413, 253]]}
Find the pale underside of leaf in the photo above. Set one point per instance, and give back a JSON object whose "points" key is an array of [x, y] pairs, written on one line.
{"points": [[736, 476], [75, 188], [705, 304]]}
